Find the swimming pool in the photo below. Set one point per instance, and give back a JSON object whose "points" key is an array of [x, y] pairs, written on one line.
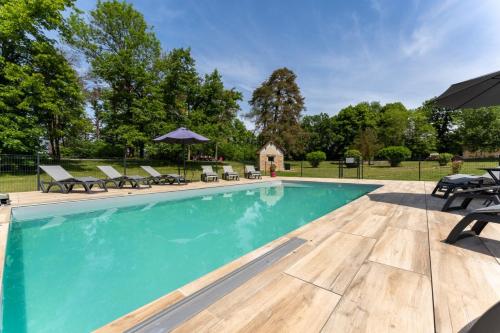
{"points": [[73, 267]]}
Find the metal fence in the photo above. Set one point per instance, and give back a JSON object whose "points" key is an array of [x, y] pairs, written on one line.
{"points": [[408, 170], [21, 173]]}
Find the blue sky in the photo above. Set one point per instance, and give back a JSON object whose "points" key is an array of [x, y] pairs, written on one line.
{"points": [[343, 52]]}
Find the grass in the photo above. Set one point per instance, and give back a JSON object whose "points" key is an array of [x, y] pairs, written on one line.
{"points": [[25, 179], [409, 170]]}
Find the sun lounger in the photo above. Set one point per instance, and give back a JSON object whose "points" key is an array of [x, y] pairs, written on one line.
{"points": [[120, 180], [208, 174], [482, 216], [229, 173], [4, 199], [250, 172], [66, 182], [490, 194], [450, 184], [159, 178]]}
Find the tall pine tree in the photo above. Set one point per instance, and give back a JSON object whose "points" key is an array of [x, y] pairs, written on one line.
{"points": [[277, 106]]}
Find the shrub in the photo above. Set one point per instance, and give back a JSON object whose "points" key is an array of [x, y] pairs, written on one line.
{"points": [[395, 154], [353, 153], [353, 157], [444, 158], [456, 166], [315, 158], [272, 167]]}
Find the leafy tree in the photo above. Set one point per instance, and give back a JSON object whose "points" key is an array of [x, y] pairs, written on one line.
{"points": [[123, 53], [392, 124], [480, 128], [320, 132], [277, 106], [420, 135], [39, 91], [367, 143], [350, 121], [444, 123], [179, 84]]}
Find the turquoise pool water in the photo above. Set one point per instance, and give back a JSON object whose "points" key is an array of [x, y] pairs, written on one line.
{"points": [[78, 266]]}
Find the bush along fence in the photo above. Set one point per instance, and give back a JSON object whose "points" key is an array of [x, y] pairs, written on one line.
{"points": [[21, 172]]}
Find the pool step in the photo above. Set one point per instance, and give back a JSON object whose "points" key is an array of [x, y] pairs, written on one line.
{"points": [[188, 307]]}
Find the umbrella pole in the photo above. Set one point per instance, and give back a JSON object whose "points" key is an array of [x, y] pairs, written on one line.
{"points": [[184, 155], [179, 167]]}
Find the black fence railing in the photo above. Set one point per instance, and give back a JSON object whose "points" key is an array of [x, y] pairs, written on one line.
{"points": [[20, 173], [428, 170]]}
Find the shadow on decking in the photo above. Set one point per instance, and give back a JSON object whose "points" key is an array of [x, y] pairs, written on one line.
{"points": [[478, 244], [421, 201]]}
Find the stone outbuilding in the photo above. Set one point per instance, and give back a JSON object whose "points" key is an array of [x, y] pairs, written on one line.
{"points": [[271, 154]]}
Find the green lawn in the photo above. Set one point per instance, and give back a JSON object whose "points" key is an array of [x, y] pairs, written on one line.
{"points": [[409, 170], [25, 179]]}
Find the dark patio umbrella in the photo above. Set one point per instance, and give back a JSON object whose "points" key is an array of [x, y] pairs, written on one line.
{"points": [[479, 92], [182, 136]]}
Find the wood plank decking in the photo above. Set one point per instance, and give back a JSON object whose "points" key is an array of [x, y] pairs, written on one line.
{"points": [[377, 264]]}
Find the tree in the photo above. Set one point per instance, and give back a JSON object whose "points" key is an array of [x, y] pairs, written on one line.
{"points": [[320, 132], [123, 53], [277, 106], [480, 128], [392, 124], [59, 101], [367, 143], [420, 135], [179, 84], [350, 121], [39, 91], [443, 121]]}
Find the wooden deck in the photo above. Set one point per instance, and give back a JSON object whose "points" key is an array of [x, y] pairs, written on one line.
{"points": [[377, 264]]}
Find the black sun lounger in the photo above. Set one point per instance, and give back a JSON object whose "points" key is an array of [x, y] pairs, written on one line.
{"points": [[449, 184], [229, 173], [66, 182], [250, 172], [490, 194], [120, 180], [482, 216], [159, 178], [208, 174]]}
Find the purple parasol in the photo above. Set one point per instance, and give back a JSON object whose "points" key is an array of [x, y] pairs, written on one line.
{"points": [[182, 135]]}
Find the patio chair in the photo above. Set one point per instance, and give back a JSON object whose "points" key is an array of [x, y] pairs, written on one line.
{"points": [[159, 178], [450, 184], [229, 173], [208, 174], [490, 194], [120, 180], [66, 182], [482, 216], [251, 173]]}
